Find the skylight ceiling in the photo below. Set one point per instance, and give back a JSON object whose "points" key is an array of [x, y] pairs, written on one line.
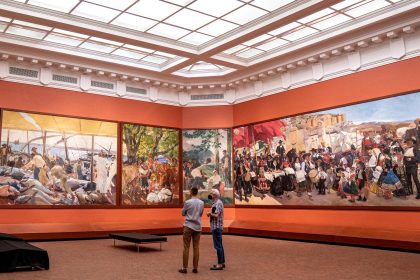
{"points": [[203, 69], [170, 36], [284, 36]]}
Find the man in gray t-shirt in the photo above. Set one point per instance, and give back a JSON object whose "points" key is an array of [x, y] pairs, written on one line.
{"points": [[192, 211]]}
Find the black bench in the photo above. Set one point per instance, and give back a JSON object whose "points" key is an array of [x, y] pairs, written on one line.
{"points": [[138, 238]]}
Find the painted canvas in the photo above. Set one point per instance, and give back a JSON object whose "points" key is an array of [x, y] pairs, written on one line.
{"points": [[150, 165], [359, 155], [207, 162], [51, 160]]}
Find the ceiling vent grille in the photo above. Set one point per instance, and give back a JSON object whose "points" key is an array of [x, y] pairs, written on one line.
{"points": [[207, 96], [136, 90], [99, 84], [23, 72], [65, 79]]}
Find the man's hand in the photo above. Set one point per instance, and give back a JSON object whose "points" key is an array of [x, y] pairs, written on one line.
{"points": [[208, 213]]}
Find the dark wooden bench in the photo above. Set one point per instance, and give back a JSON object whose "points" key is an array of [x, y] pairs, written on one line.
{"points": [[138, 238]]}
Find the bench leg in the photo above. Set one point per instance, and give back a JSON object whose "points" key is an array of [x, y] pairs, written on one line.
{"points": [[138, 247]]}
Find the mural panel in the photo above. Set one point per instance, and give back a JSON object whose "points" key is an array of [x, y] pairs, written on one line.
{"points": [[365, 155]]}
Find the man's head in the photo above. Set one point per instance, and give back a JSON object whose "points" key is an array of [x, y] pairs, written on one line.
{"points": [[410, 141], [194, 191], [214, 194]]}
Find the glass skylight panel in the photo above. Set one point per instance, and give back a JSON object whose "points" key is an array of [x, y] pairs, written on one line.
{"points": [[129, 54], [196, 38], [249, 53], [272, 44], [257, 40], [218, 27], [395, 1], [154, 59], [115, 4], [284, 28], [346, 3], [57, 5], [316, 15], [189, 19], [26, 32], [62, 39], [179, 2], [330, 22], [95, 12], [134, 22], [168, 31], [153, 9], [367, 8], [245, 14], [138, 48], [5, 19], [74, 34], [169, 55], [271, 5], [301, 33], [215, 8], [106, 41], [97, 47], [37, 26], [2, 26], [234, 49], [204, 66]]}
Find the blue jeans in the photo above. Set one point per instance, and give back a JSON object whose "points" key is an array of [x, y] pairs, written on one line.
{"points": [[218, 245], [36, 173]]}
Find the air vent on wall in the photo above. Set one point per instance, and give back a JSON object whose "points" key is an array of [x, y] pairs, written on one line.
{"points": [[65, 79], [136, 90], [99, 84], [23, 72], [207, 96]]}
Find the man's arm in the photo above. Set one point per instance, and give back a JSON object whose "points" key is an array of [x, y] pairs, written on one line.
{"points": [[184, 209]]}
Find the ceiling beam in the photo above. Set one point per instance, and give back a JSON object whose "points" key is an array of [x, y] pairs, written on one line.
{"points": [[272, 21]]}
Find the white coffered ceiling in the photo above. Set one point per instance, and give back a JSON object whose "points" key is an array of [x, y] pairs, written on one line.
{"points": [[187, 39]]}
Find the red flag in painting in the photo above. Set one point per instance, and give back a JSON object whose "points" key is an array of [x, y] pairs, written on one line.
{"points": [[242, 136], [266, 131]]}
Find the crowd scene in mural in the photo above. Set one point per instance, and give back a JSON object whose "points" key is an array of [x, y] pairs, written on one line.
{"points": [[150, 165], [207, 163], [364, 154], [48, 160]]}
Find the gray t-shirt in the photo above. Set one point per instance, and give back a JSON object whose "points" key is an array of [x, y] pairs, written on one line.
{"points": [[193, 210]]}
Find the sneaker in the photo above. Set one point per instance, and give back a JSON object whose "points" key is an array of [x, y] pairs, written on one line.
{"points": [[418, 196], [195, 270], [183, 270], [364, 199]]}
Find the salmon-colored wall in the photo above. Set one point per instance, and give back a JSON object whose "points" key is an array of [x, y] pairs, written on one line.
{"points": [[71, 103], [207, 117], [370, 84]]}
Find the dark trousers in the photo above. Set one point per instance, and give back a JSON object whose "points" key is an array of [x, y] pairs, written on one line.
{"points": [[36, 173], [195, 236], [411, 172], [218, 245]]}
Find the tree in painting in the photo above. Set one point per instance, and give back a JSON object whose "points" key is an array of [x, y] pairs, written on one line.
{"points": [[150, 165]]}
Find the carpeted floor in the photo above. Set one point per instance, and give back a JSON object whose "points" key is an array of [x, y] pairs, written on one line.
{"points": [[247, 258]]}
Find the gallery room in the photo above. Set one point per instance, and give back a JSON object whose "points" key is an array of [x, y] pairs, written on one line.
{"points": [[209, 139]]}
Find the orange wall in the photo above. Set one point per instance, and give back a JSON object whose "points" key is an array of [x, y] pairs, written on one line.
{"points": [[379, 82], [71, 103], [375, 83], [207, 117]]}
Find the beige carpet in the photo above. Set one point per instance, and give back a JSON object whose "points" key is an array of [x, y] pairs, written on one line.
{"points": [[247, 258]]}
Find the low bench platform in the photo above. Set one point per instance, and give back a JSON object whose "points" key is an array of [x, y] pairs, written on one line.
{"points": [[138, 238]]}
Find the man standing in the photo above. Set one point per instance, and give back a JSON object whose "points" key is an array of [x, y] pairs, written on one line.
{"points": [[192, 211], [226, 169], [216, 225], [411, 160]]}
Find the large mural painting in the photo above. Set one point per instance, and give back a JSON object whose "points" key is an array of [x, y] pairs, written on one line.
{"points": [[359, 155], [51, 160]]}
